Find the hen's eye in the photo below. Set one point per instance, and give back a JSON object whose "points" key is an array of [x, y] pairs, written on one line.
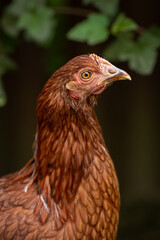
{"points": [[86, 75]]}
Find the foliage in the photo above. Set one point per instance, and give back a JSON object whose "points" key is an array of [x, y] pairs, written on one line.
{"points": [[123, 24], [5, 64], [141, 54], [93, 30], [108, 7], [41, 22], [35, 20]]}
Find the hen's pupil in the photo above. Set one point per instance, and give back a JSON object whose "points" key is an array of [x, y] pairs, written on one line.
{"points": [[86, 74]]}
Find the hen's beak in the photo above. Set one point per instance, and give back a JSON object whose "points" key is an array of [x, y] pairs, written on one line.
{"points": [[114, 74], [119, 75]]}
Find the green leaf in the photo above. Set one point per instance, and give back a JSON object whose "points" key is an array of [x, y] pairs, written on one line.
{"points": [[38, 24], [119, 50], [19, 7], [144, 56], [141, 57], [9, 25], [123, 24], [3, 97], [32, 16], [6, 64], [93, 30], [16, 8], [151, 37], [108, 7], [143, 60]]}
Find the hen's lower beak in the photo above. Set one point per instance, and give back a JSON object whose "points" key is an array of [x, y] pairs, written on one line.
{"points": [[115, 76]]}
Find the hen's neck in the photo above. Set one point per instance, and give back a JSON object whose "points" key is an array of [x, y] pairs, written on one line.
{"points": [[65, 145]]}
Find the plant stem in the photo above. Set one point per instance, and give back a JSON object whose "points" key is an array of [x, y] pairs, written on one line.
{"points": [[82, 12]]}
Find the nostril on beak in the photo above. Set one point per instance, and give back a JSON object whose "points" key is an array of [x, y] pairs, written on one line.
{"points": [[112, 70]]}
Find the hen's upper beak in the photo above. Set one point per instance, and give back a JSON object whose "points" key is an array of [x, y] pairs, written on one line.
{"points": [[114, 74]]}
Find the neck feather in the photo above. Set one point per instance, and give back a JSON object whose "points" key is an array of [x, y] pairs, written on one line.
{"points": [[65, 144]]}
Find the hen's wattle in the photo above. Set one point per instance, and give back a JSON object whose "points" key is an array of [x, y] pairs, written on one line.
{"points": [[69, 190]]}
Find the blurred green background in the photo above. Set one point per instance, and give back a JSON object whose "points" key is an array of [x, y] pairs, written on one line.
{"points": [[37, 37]]}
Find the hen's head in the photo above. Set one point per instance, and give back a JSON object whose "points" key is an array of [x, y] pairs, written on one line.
{"points": [[90, 75], [80, 81]]}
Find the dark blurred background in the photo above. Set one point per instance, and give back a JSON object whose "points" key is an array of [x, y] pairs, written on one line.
{"points": [[129, 113]]}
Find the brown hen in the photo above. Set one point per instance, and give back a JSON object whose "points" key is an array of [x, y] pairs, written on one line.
{"points": [[69, 189]]}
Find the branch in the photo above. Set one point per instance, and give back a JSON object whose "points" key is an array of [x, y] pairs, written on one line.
{"points": [[82, 12]]}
